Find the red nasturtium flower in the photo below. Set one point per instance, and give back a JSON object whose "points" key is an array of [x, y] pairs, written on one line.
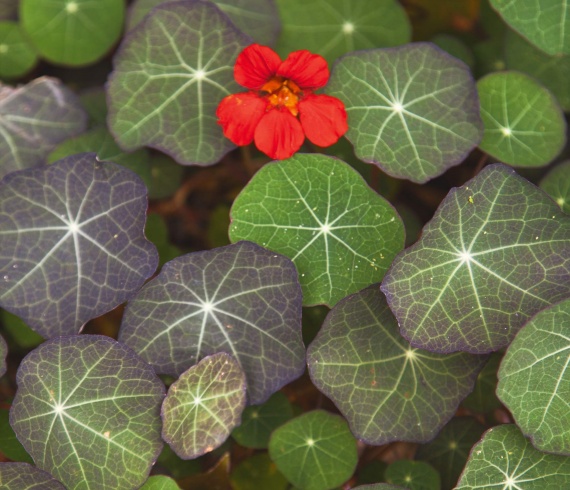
{"points": [[280, 108]]}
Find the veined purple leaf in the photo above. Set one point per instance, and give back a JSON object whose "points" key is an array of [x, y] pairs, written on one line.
{"points": [[24, 476]]}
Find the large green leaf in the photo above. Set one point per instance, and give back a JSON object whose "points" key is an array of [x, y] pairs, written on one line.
{"points": [[496, 252], [319, 212], [386, 390], [315, 451], [170, 75], [412, 110], [524, 125], [87, 410], [17, 56], [203, 406], [256, 18], [23, 476], [415, 475], [240, 299], [33, 120], [72, 245], [72, 32], [332, 28], [557, 184], [534, 379], [505, 460], [545, 23]]}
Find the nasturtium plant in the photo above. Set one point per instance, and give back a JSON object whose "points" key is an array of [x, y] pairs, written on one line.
{"points": [[415, 475], [16, 476], [17, 55], [556, 183]]}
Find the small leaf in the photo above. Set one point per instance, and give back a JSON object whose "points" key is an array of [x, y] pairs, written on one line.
{"points": [[160, 483], [332, 28], [33, 120], [87, 410], [256, 473], [449, 451], [181, 56], [72, 32], [240, 299], [315, 451], [504, 459], [71, 242], [412, 110], [23, 476], [259, 421], [203, 406], [556, 184], [524, 126], [534, 379], [9, 444], [496, 252], [338, 232], [415, 475], [386, 390], [544, 23], [483, 398], [17, 56]]}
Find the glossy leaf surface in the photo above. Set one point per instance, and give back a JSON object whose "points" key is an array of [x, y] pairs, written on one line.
{"points": [[496, 252]]}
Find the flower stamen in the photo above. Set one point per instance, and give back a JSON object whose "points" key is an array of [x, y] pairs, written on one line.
{"points": [[282, 92]]}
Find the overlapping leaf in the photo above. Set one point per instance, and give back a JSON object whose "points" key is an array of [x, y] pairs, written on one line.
{"points": [[33, 120], [203, 406], [557, 184], [332, 28], [524, 125], [496, 252], [415, 475], [319, 212], [412, 110], [386, 390], [256, 18], [24, 476], [160, 482], [545, 23], [240, 299], [17, 56], [170, 75], [504, 459], [87, 410], [534, 379], [72, 245]]}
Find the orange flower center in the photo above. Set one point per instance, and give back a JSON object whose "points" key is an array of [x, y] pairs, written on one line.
{"points": [[282, 92]]}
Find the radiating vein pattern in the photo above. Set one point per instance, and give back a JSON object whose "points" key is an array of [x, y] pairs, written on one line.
{"points": [[412, 110], [72, 245], [496, 252], [88, 411], [386, 389], [240, 299], [169, 77], [320, 213]]}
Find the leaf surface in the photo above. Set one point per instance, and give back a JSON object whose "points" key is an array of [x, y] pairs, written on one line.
{"points": [[17, 56], [415, 475], [24, 476], [556, 183]]}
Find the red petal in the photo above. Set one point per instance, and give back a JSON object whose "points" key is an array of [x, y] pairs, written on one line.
{"points": [[306, 69], [323, 119], [255, 65], [239, 114], [279, 134]]}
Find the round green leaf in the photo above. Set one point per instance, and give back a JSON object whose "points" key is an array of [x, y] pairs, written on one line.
{"points": [[170, 74], [256, 18], [545, 23], [455, 48], [17, 56], [524, 125], [33, 120], [23, 476], [160, 482], [415, 475], [72, 245], [534, 379], [483, 398], [332, 28], [315, 451], [72, 32], [386, 390], [504, 459], [258, 472], [556, 184], [259, 421], [449, 451], [496, 252], [412, 110], [240, 299], [319, 212], [87, 410], [203, 406], [3, 354]]}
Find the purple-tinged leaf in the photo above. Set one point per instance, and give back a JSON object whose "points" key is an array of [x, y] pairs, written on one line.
{"points": [[3, 354], [72, 245], [24, 476], [496, 252], [33, 120], [241, 299]]}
